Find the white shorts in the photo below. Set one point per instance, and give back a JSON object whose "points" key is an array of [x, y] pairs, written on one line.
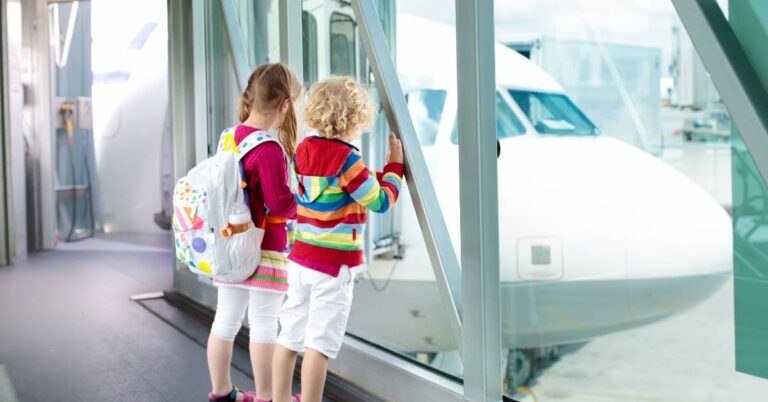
{"points": [[315, 313]]}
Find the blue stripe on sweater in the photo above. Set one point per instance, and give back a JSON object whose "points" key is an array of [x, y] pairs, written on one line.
{"points": [[325, 207], [392, 180], [351, 160], [365, 188]]}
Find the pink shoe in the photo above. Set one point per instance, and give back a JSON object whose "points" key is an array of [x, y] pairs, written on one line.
{"points": [[252, 395], [296, 397]]}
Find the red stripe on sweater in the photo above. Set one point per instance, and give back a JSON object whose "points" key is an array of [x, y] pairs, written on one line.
{"points": [[351, 218], [391, 187], [310, 252], [357, 181], [394, 167]]}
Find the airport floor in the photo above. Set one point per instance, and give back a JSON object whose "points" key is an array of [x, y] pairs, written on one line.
{"points": [[69, 331]]}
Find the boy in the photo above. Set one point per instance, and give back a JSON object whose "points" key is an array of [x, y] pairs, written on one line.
{"points": [[333, 189]]}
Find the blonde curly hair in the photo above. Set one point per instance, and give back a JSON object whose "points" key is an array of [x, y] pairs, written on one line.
{"points": [[337, 107]]}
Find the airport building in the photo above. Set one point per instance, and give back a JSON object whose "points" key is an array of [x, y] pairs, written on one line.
{"points": [[608, 243]]}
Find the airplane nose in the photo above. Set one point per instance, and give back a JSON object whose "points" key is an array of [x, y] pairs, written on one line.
{"points": [[677, 229], [633, 240], [611, 205], [679, 249]]}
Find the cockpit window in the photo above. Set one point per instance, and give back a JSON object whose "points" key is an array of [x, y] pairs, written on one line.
{"points": [[553, 113], [426, 108], [507, 124]]}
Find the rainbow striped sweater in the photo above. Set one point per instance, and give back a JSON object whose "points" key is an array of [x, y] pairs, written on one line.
{"points": [[333, 190]]}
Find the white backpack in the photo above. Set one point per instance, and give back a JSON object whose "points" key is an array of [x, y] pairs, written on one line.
{"points": [[212, 225]]}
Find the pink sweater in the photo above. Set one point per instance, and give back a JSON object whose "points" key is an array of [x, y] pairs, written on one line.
{"points": [[266, 172]]}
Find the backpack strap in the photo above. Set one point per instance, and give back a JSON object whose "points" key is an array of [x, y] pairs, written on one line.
{"points": [[248, 143], [253, 140], [227, 142]]}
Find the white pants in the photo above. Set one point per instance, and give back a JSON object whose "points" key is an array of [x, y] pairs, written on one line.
{"points": [[263, 308], [315, 313]]}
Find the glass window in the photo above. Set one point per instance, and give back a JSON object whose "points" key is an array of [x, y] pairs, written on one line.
{"points": [[309, 46], [426, 107], [553, 113], [342, 45], [507, 124], [400, 284], [653, 188], [223, 89]]}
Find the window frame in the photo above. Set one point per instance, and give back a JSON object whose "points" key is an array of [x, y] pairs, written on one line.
{"points": [[310, 48], [353, 55]]}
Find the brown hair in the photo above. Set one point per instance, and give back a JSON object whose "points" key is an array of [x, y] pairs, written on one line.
{"points": [[338, 106], [268, 87]]}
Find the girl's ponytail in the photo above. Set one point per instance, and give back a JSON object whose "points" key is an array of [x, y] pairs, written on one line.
{"points": [[268, 87], [244, 109], [252, 96], [289, 130]]}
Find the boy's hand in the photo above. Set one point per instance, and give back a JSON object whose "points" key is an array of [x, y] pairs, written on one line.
{"points": [[395, 149]]}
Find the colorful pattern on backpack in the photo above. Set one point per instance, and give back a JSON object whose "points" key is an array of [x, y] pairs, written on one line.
{"points": [[202, 203]]}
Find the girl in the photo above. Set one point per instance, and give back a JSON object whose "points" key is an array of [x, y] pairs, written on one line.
{"points": [[333, 190], [266, 103]]}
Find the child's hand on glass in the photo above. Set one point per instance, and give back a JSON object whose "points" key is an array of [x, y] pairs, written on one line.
{"points": [[395, 149]]}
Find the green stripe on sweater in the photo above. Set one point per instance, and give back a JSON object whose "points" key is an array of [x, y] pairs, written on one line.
{"points": [[327, 198], [336, 246]]}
